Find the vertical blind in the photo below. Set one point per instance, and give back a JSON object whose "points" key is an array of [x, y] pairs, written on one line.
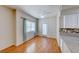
{"points": [[30, 26]]}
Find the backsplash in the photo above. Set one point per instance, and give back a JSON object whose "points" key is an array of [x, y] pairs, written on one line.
{"points": [[69, 30]]}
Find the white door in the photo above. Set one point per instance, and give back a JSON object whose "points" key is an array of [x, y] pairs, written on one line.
{"points": [[44, 29]]}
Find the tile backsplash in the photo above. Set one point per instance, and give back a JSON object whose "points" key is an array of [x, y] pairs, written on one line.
{"points": [[69, 30]]}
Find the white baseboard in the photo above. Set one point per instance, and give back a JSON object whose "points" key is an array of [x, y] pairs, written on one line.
{"points": [[2, 48], [48, 36]]}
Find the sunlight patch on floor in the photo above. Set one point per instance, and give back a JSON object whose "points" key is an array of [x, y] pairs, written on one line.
{"points": [[31, 48]]}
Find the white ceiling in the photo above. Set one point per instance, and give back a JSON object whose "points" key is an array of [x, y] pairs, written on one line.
{"points": [[37, 11], [40, 11]]}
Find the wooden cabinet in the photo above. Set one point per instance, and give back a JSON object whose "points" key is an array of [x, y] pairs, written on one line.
{"points": [[70, 21]]}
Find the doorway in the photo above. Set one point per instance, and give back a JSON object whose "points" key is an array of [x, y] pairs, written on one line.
{"points": [[44, 29]]}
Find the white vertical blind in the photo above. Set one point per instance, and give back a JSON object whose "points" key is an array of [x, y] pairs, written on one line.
{"points": [[30, 26]]}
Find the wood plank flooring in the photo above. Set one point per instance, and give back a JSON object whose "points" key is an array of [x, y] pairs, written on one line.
{"points": [[36, 45]]}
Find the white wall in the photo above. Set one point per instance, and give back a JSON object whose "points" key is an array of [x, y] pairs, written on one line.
{"points": [[19, 26], [7, 28], [51, 23]]}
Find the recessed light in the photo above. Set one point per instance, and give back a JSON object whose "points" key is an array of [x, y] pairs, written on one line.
{"points": [[42, 16]]}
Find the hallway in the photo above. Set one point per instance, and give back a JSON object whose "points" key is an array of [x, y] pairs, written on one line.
{"points": [[36, 45]]}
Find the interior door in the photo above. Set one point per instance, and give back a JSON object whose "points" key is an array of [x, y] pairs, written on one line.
{"points": [[44, 29]]}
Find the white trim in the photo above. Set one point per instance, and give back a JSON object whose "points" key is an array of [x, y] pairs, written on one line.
{"points": [[6, 46], [58, 18]]}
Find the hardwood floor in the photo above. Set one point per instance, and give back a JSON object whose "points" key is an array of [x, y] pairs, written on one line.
{"points": [[36, 45]]}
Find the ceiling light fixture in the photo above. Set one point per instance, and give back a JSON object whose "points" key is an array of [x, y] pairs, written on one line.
{"points": [[42, 16]]}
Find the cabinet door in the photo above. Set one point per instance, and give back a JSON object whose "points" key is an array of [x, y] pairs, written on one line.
{"points": [[60, 44], [66, 21], [78, 21], [70, 21], [65, 49], [61, 22]]}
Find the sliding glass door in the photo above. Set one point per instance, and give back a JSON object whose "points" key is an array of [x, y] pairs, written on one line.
{"points": [[24, 30], [29, 28]]}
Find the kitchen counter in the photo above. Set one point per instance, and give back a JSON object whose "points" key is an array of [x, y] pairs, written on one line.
{"points": [[71, 41], [70, 34]]}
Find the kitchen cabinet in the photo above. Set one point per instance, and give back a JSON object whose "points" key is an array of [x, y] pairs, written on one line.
{"points": [[61, 22], [64, 48], [70, 21], [78, 21], [60, 44]]}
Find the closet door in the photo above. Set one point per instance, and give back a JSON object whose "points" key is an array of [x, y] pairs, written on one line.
{"points": [[70, 21]]}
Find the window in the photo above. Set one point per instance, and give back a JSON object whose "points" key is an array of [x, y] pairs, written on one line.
{"points": [[44, 29], [33, 26], [30, 26]]}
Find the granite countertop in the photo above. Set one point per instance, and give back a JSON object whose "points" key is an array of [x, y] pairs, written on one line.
{"points": [[70, 34], [72, 42]]}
